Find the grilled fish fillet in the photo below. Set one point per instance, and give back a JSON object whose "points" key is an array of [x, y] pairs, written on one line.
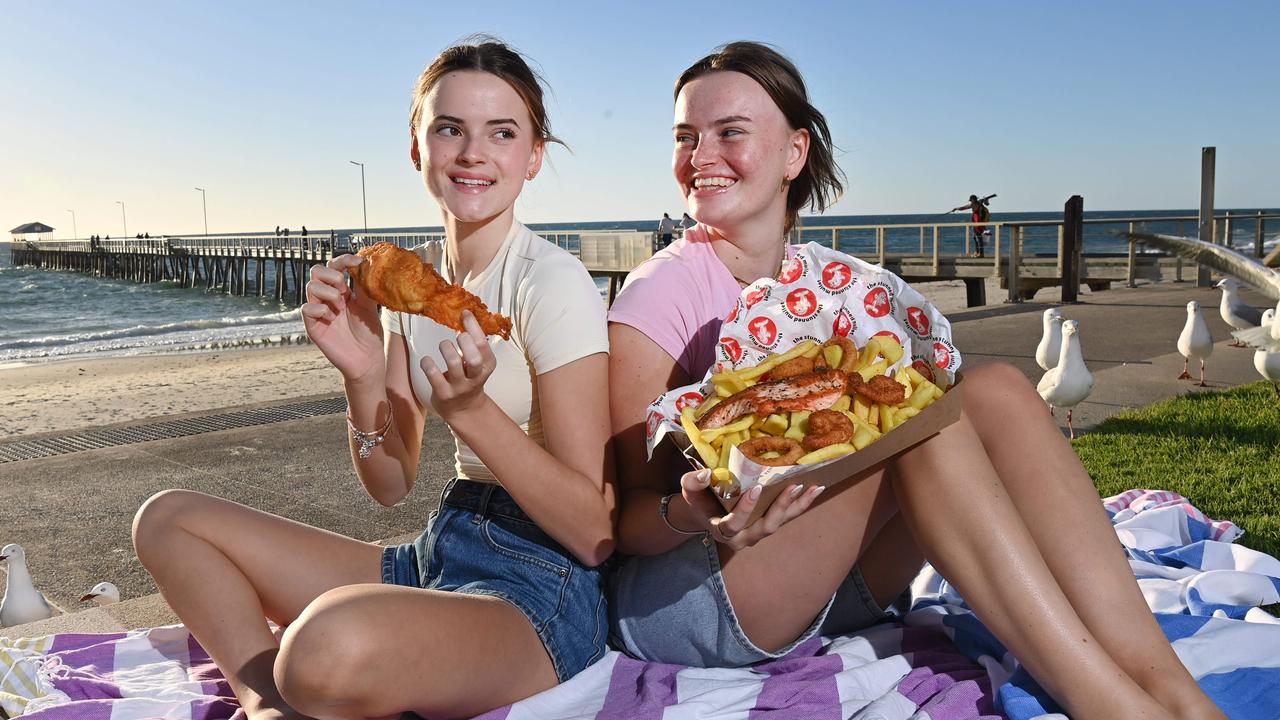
{"points": [[817, 390]]}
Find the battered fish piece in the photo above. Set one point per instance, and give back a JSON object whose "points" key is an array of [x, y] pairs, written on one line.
{"points": [[398, 279]]}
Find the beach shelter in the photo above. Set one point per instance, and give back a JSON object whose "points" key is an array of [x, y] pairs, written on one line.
{"points": [[29, 229]]}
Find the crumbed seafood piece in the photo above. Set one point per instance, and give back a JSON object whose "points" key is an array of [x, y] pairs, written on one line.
{"points": [[788, 451], [827, 427], [881, 389], [849, 355], [791, 368], [817, 390], [398, 279]]}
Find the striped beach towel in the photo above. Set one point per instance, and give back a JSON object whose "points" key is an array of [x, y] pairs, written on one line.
{"points": [[938, 663]]}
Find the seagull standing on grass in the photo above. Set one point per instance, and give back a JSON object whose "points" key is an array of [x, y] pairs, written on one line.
{"points": [[104, 593], [1267, 362], [1050, 341], [22, 602], [1195, 342], [1234, 311], [1069, 382]]}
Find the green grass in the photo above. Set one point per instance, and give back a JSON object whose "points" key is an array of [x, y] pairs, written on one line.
{"points": [[1219, 449]]}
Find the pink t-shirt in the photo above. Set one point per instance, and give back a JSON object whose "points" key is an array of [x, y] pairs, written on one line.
{"points": [[679, 298]]}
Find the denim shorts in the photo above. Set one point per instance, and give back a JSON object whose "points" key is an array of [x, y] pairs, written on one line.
{"points": [[674, 608], [480, 542]]}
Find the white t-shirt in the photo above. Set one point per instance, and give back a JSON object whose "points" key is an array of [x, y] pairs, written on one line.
{"points": [[557, 316]]}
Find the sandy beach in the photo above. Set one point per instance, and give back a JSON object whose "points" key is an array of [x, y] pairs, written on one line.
{"points": [[68, 395]]}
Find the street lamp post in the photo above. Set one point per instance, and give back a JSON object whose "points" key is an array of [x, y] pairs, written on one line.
{"points": [[74, 232], [363, 205], [123, 220], [205, 209]]}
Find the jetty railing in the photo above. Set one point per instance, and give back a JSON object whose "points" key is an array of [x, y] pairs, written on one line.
{"points": [[1024, 255]]}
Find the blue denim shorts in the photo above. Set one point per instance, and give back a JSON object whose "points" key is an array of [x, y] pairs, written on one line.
{"points": [[480, 542], [674, 608]]}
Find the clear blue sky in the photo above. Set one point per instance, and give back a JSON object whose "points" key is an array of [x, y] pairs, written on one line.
{"points": [[264, 104]]}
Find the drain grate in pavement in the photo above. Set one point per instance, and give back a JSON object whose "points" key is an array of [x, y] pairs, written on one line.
{"points": [[98, 439]]}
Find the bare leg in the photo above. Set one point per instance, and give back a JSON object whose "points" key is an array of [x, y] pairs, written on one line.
{"points": [[367, 651], [224, 567], [1062, 504], [960, 515], [1071, 427], [1186, 375], [1202, 383]]}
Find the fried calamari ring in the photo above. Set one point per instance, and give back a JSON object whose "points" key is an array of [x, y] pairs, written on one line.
{"points": [[881, 389], [827, 427], [789, 451], [791, 368], [849, 357]]}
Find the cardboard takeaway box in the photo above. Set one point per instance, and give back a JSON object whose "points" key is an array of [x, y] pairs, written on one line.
{"points": [[943, 412]]}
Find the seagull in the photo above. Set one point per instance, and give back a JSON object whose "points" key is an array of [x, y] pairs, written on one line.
{"points": [[1195, 342], [1069, 382], [1243, 268], [1234, 311], [1268, 363], [22, 602], [1264, 337], [104, 593], [1051, 341]]}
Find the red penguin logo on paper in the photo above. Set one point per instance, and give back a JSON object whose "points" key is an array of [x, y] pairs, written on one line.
{"points": [[889, 334], [923, 368], [764, 331], [757, 295], [941, 355], [802, 304], [733, 314], [836, 277], [878, 302], [918, 321], [689, 399], [791, 271], [652, 423], [843, 324], [732, 350]]}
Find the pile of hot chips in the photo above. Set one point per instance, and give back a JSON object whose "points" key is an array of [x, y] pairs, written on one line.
{"points": [[870, 420]]}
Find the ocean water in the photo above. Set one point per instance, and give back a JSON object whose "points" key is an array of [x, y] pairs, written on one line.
{"points": [[47, 315]]}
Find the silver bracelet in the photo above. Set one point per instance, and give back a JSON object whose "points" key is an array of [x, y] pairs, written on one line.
{"points": [[369, 440], [662, 510]]}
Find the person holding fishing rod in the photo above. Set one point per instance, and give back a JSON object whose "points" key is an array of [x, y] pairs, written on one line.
{"points": [[978, 206]]}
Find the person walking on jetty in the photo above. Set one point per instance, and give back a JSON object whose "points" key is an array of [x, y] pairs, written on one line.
{"points": [[666, 230], [1004, 511], [501, 597], [980, 213]]}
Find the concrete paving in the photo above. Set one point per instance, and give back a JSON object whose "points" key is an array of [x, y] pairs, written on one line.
{"points": [[73, 512]]}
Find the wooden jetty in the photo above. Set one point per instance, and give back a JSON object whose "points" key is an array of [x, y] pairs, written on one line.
{"points": [[267, 265]]}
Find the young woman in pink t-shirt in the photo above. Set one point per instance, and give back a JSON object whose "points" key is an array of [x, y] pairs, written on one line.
{"points": [[991, 503]]}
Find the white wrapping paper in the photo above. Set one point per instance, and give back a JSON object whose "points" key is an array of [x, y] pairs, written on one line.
{"points": [[819, 294]]}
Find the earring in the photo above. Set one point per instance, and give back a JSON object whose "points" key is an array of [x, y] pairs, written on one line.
{"points": [[417, 165], [531, 176]]}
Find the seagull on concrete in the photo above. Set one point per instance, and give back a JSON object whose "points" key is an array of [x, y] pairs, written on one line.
{"points": [[1050, 340], [1069, 382], [22, 602], [1234, 311], [104, 593], [1266, 362], [1265, 336], [1195, 342]]}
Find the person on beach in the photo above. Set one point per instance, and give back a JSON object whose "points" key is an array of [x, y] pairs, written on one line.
{"points": [[1003, 510], [501, 597], [980, 213], [666, 230]]}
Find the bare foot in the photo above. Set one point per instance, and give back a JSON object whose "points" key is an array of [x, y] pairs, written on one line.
{"points": [[257, 707]]}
